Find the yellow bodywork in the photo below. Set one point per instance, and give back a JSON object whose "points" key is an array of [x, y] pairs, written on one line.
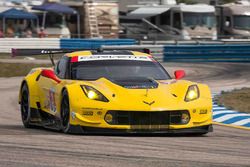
{"points": [[169, 96]]}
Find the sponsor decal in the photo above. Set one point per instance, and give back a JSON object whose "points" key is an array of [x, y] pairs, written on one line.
{"points": [[73, 115], [152, 59], [149, 127], [87, 113], [90, 108], [204, 111], [114, 57], [168, 82], [52, 101]]}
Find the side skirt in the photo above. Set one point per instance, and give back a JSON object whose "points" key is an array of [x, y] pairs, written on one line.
{"points": [[44, 119]]}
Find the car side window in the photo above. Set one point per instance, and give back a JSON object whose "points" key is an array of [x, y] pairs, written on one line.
{"points": [[61, 67], [56, 70]]}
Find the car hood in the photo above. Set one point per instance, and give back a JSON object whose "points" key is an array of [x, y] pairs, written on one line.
{"points": [[165, 96]]}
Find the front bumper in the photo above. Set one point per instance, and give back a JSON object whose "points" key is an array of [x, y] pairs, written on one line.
{"points": [[194, 130], [165, 121]]}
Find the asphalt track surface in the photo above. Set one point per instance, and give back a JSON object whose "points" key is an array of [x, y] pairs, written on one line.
{"points": [[20, 147]]}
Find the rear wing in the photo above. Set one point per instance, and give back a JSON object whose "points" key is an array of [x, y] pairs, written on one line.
{"points": [[52, 52], [28, 52], [36, 52]]}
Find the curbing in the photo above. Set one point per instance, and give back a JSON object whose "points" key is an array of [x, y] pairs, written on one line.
{"points": [[232, 126], [230, 118]]}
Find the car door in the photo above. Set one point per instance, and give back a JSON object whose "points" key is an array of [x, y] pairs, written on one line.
{"points": [[51, 84]]}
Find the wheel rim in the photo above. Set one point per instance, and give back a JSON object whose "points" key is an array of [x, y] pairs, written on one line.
{"points": [[65, 112], [25, 105]]}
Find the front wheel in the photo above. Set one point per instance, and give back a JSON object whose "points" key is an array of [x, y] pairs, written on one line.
{"points": [[65, 116]]}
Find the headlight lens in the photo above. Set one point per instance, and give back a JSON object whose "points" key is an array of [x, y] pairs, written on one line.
{"points": [[192, 93], [93, 94]]}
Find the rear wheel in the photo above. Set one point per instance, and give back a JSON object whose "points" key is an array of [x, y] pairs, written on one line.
{"points": [[25, 106]]}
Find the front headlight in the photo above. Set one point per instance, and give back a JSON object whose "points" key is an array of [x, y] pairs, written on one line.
{"points": [[192, 93], [93, 94]]}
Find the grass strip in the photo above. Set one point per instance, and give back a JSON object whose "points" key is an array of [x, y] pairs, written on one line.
{"points": [[18, 69], [238, 100]]}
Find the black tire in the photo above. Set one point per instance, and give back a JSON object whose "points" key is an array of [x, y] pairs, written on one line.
{"points": [[65, 114], [25, 106]]}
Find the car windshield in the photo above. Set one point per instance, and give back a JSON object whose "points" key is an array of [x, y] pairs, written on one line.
{"points": [[199, 19], [118, 70], [242, 22]]}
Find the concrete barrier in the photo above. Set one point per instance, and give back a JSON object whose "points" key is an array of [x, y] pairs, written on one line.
{"points": [[93, 43], [6, 44]]}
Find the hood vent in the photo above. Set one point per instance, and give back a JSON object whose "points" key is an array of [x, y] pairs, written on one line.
{"points": [[138, 83]]}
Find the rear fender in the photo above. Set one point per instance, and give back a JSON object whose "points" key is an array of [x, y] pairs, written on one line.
{"points": [[31, 81]]}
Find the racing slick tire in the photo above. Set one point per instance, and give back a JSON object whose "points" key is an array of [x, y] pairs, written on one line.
{"points": [[25, 106], [65, 116]]}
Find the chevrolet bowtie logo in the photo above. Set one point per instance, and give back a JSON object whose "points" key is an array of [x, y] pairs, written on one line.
{"points": [[149, 103]]}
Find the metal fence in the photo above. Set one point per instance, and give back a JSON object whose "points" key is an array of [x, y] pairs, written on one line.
{"points": [[207, 53], [93, 43], [167, 51], [6, 44], [228, 50]]}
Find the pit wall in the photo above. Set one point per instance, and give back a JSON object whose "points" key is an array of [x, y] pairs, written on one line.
{"points": [[6, 44]]}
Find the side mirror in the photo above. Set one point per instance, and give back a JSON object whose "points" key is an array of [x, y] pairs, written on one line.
{"points": [[50, 74], [179, 74]]}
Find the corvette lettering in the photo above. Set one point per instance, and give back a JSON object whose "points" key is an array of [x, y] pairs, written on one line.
{"points": [[113, 57]]}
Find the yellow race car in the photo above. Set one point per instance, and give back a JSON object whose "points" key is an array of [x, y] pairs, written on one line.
{"points": [[114, 91]]}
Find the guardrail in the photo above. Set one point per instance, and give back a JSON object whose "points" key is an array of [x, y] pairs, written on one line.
{"points": [[167, 51], [207, 53], [93, 43], [191, 51], [6, 44], [28, 43]]}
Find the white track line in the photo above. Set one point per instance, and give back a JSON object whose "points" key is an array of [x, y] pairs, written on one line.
{"points": [[223, 112], [228, 116], [242, 122], [216, 108]]}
